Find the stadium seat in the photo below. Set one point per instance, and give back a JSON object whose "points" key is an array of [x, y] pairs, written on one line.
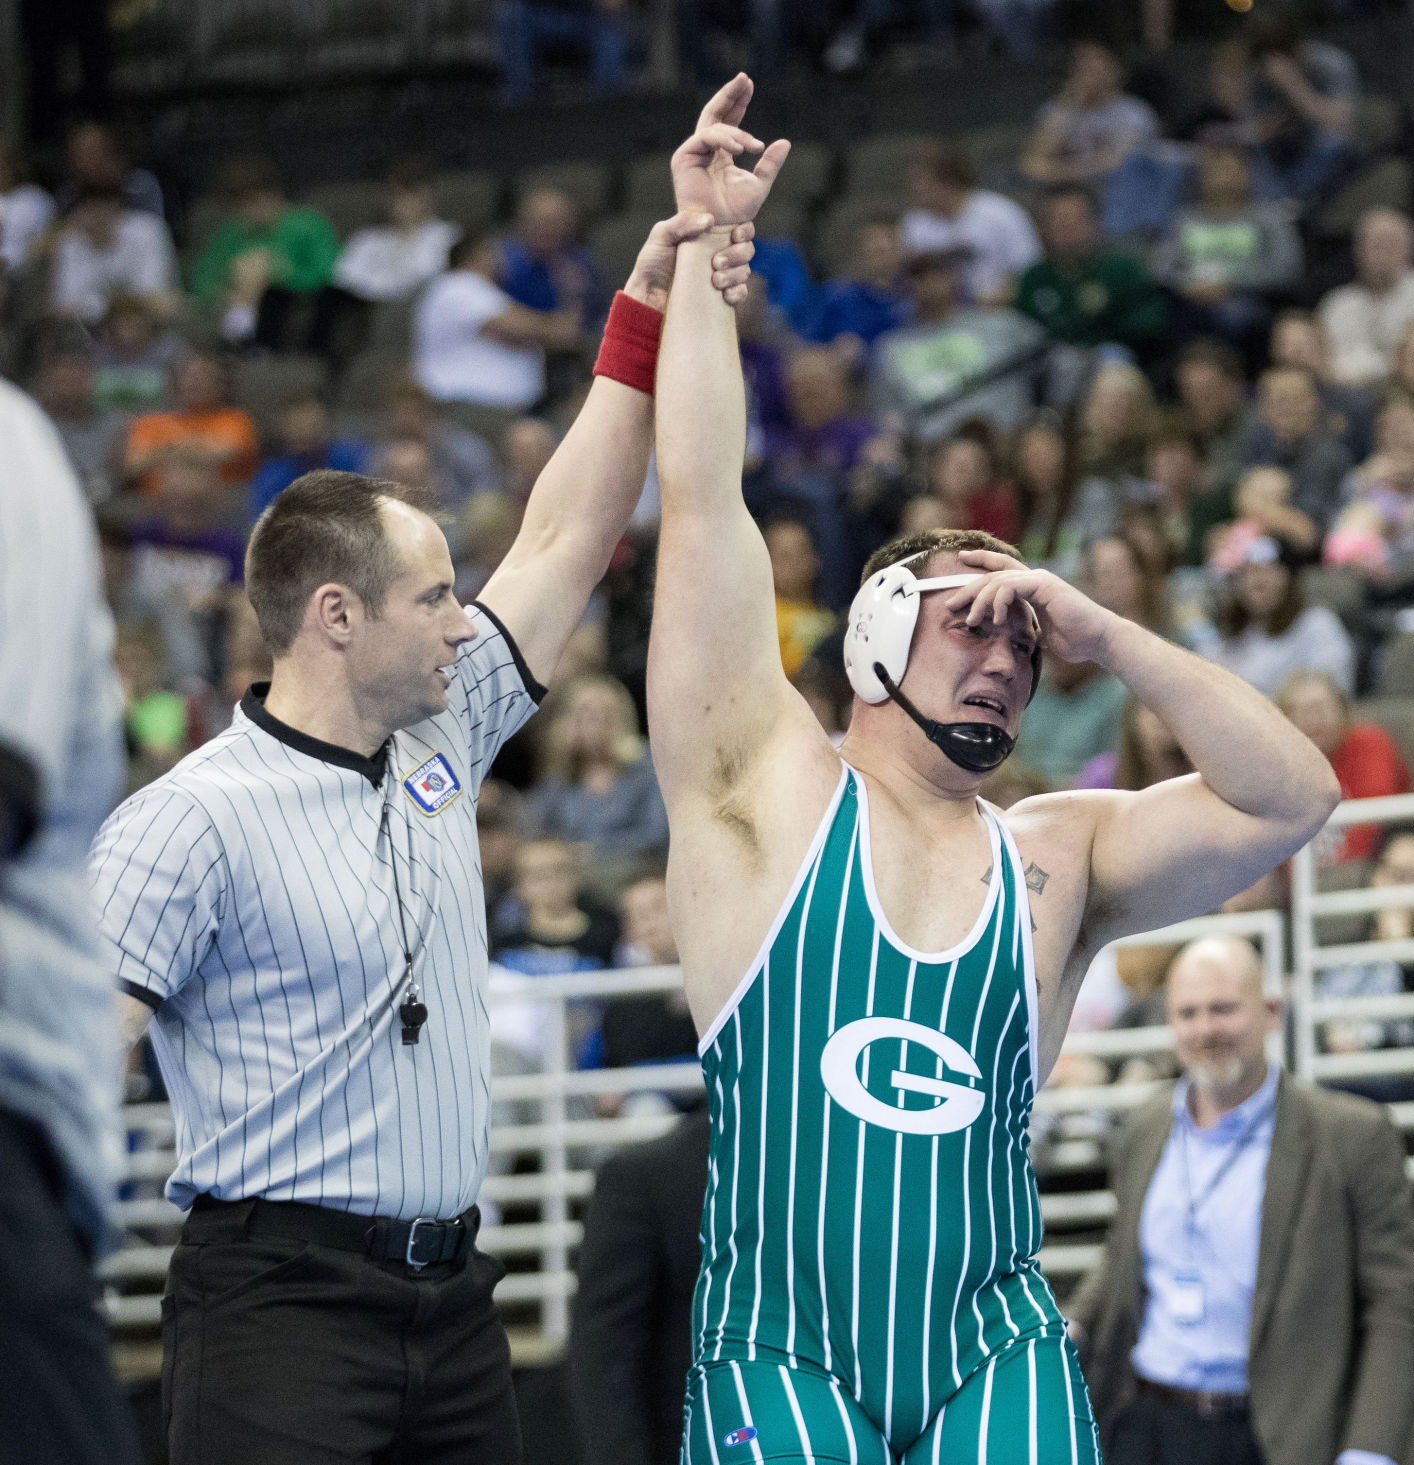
{"points": [[264, 384], [368, 378], [1337, 587], [586, 184], [1395, 715], [834, 235], [1397, 666], [1384, 184], [806, 174], [471, 198], [879, 165], [266, 46], [1348, 875], [780, 219], [348, 206], [457, 33], [358, 38], [615, 244], [390, 325], [648, 186], [1377, 122]]}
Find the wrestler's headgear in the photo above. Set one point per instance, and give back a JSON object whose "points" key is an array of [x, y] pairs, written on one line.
{"points": [[876, 646]]}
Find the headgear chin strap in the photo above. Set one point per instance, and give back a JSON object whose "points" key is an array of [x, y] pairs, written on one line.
{"points": [[979, 747], [877, 641]]}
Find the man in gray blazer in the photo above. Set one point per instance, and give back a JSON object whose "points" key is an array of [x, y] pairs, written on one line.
{"points": [[1255, 1305]]}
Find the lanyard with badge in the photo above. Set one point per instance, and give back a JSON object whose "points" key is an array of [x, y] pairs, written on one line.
{"points": [[1186, 1299]]}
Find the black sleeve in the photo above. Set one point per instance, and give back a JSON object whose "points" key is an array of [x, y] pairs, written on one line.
{"points": [[616, 1317], [19, 801]]}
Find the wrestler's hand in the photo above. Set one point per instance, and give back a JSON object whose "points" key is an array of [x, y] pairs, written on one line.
{"points": [[1072, 625], [652, 275], [705, 175]]}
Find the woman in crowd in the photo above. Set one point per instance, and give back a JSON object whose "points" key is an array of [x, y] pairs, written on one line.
{"points": [[965, 476], [1266, 630], [599, 789], [1365, 758], [1045, 469], [1127, 575], [1148, 753]]}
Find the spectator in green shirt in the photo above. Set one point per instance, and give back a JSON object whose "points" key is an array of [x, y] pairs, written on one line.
{"points": [[1084, 293], [263, 259]]}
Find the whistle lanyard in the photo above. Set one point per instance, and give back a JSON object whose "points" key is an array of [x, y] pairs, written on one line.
{"points": [[412, 1011]]}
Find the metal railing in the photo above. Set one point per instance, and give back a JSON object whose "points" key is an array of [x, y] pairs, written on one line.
{"points": [[1312, 1009], [545, 1153]]}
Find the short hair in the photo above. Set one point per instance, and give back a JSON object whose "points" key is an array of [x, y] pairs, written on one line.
{"points": [[1208, 352], [946, 165], [327, 526], [928, 542], [412, 170]]}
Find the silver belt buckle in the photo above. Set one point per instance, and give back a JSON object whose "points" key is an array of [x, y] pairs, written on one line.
{"points": [[417, 1266]]}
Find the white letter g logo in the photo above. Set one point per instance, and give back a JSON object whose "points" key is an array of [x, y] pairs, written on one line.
{"points": [[839, 1070]]}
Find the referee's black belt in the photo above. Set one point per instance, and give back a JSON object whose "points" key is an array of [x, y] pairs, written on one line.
{"points": [[419, 1243]]}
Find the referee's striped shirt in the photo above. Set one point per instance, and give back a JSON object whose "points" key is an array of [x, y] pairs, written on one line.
{"points": [[248, 896]]}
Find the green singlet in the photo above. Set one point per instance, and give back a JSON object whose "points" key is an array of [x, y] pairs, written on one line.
{"points": [[869, 1288]]}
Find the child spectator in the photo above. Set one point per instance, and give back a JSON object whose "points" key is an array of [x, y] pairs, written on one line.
{"points": [[1092, 126], [1264, 508], [264, 259], [306, 444], [134, 356], [393, 261], [965, 477], [855, 310], [800, 623], [947, 211], [200, 424], [1045, 467], [104, 249], [155, 724], [92, 435], [1374, 532], [1228, 256], [599, 788], [1292, 433]]}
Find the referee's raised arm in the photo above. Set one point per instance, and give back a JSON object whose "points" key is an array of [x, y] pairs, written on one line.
{"points": [[583, 499]]}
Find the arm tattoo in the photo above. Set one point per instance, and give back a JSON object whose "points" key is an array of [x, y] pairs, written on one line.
{"points": [[1036, 878]]}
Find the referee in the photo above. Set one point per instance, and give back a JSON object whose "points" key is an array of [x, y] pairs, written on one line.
{"points": [[60, 772], [297, 910]]}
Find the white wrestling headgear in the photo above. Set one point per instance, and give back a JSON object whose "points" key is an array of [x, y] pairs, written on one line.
{"points": [[877, 640]]}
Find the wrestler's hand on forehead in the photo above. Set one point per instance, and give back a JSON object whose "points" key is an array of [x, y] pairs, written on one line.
{"points": [[1072, 625]]}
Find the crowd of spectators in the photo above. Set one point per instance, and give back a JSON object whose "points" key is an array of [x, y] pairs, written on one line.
{"points": [[1104, 351]]}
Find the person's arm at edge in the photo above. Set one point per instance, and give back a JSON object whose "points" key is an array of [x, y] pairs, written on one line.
{"points": [[582, 501]]}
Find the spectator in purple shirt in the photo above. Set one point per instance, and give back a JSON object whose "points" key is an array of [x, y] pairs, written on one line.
{"points": [[809, 461]]}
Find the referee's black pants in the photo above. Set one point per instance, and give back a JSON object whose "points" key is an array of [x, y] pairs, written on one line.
{"points": [[277, 1351], [60, 1403]]}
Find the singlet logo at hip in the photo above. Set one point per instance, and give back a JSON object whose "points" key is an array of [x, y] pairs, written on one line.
{"points": [[839, 1068]]}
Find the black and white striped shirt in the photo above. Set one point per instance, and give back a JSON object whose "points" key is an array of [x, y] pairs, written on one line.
{"points": [[249, 897]]}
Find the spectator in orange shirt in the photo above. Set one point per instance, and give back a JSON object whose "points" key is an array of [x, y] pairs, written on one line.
{"points": [[1364, 756], [200, 423]]}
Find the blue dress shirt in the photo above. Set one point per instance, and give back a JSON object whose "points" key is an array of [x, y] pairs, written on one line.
{"points": [[1199, 1235]]}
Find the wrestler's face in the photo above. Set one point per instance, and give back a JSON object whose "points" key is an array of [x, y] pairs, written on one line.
{"points": [[962, 673]]}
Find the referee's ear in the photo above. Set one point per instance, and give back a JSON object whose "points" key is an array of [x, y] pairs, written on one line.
{"points": [[332, 612]]}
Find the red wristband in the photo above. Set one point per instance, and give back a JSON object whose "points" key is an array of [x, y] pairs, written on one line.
{"points": [[629, 350]]}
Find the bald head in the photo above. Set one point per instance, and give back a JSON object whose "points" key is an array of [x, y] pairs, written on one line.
{"points": [[1219, 1014]]}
